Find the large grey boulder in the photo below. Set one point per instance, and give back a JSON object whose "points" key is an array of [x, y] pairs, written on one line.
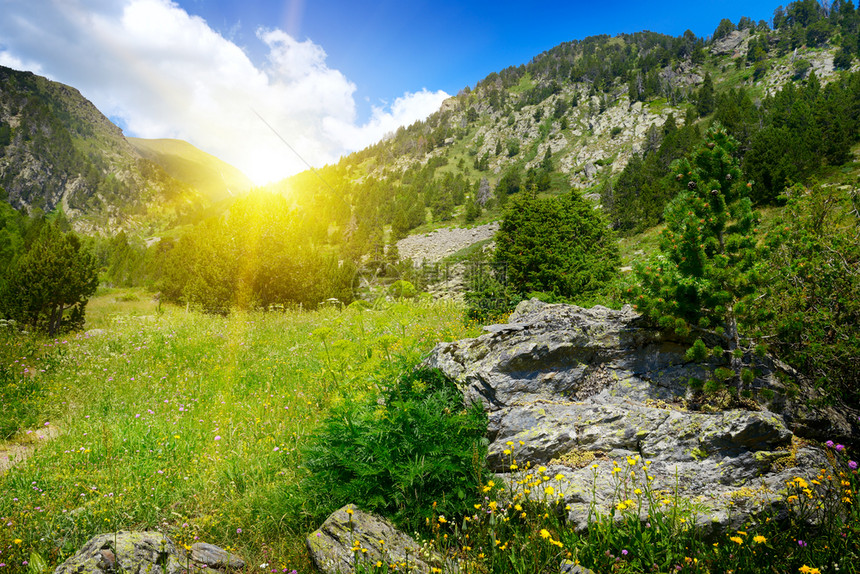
{"points": [[731, 43], [146, 553], [351, 536], [577, 390]]}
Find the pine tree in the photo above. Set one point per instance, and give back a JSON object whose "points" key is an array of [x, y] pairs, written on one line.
{"points": [[49, 286], [706, 101], [706, 275]]}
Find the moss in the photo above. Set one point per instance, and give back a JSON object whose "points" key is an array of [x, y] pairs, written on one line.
{"points": [[699, 453], [578, 458]]}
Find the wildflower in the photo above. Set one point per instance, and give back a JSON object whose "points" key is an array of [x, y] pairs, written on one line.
{"points": [[624, 552], [852, 464], [737, 539], [217, 437], [17, 541], [802, 544], [238, 531], [549, 490], [758, 539], [442, 520], [544, 533]]}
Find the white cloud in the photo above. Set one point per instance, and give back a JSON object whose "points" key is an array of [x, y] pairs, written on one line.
{"points": [[10, 61], [168, 74], [405, 110]]}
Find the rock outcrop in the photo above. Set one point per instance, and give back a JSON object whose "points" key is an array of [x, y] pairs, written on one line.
{"points": [[579, 390], [350, 535], [731, 43], [145, 552]]}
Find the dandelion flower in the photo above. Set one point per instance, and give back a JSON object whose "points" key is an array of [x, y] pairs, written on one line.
{"points": [[544, 533], [758, 539]]}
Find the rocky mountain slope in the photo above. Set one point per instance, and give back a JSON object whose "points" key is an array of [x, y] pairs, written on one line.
{"points": [[572, 118], [58, 151]]}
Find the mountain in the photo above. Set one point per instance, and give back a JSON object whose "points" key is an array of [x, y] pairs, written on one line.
{"points": [[603, 115], [576, 116], [58, 151], [206, 173]]}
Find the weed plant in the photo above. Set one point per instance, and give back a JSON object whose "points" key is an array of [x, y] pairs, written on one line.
{"points": [[414, 450]]}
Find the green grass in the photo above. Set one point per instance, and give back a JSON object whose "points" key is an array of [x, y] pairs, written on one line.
{"points": [[195, 426], [191, 424], [526, 83], [110, 306]]}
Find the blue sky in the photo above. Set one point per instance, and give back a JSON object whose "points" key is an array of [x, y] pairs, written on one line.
{"points": [[391, 47], [331, 76]]}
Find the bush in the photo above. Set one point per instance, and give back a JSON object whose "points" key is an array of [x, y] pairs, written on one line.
{"points": [[558, 245], [810, 311], [402, 290], [415, 448]]}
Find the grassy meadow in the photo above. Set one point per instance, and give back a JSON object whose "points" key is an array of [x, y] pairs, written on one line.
{"points": [[198, 426], [187, 423]]}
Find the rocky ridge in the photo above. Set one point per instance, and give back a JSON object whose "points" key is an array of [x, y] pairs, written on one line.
{"points": [[582, 392]]}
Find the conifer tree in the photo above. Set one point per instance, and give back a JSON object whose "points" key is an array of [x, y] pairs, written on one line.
{"points": [[706, 276], [49, 286], [706, 101]]}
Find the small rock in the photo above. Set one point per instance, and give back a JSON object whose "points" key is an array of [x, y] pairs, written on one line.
{"points": [[215, 557], [139, 552], [333, 546]]}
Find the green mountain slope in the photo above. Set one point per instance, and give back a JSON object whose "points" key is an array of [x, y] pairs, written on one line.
{"points": [[578, 115], [210, 176]]}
